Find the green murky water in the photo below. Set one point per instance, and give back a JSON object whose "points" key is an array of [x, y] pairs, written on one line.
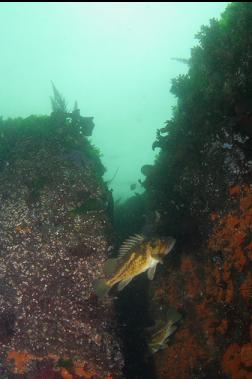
{"points": [[113, 58]]}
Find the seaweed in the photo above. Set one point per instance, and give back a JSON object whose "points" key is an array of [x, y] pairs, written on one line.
{"points": [[58, 102]]}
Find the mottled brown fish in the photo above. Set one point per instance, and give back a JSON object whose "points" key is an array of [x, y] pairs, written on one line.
{"points": [[159, 334], [136, 255]]}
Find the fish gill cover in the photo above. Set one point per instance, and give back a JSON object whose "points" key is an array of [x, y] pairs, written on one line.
{"points": [[55, 228]]}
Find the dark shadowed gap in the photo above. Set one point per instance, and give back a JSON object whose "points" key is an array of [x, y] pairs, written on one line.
{"points": [[133, 315], [132, 304]]}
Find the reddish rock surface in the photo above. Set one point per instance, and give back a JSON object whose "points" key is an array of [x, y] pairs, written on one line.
{"points": [[212, 288]]}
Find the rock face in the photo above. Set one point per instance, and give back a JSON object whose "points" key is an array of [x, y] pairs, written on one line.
{"points": [[55, 231], [211, 285], [201, 185]]}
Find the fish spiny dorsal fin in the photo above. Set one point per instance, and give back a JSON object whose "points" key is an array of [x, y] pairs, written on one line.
{"points": [[130, 243]]}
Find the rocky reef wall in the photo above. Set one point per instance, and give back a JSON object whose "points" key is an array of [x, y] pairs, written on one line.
{"points": [[55, 230], [201, 185], [210, 285]]}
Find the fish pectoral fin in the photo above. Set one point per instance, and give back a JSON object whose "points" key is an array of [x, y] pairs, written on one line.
{"points": [[123, 284], [151, 272]]}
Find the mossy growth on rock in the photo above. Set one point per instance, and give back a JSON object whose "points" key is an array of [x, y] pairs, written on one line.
{"points": [[206, 146], [61, 138], [56, 131]]}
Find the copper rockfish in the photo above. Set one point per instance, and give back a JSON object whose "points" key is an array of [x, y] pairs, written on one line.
{"points": [[136, 255], [158, 335]]}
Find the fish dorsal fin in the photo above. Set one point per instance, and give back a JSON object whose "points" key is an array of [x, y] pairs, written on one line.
{"points": [[130, 243]]}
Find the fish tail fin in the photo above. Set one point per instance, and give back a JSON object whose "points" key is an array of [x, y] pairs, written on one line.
{"points": [[101, 287]]}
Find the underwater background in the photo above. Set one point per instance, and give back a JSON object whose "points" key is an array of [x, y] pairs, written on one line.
{"points": [[125, 190], [113, 58]]}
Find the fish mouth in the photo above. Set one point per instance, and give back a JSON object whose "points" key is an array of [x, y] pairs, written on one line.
{"points": [[170, 242]]}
